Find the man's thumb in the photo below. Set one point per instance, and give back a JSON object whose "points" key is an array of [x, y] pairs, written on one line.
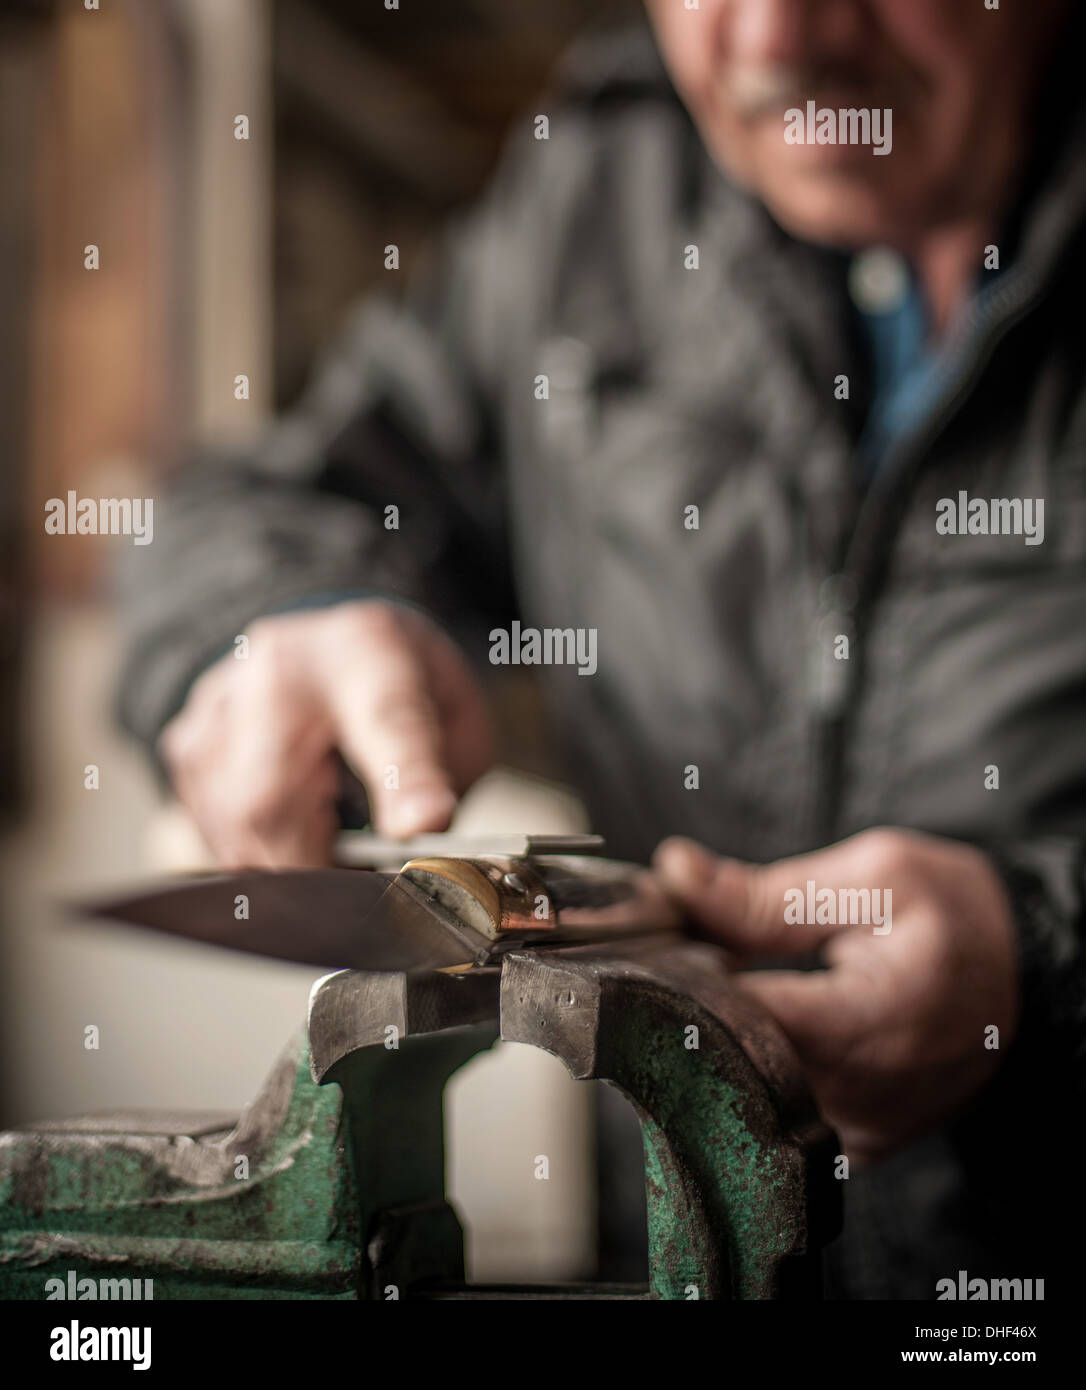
{"points": [[743, 905], [808, 1005]]}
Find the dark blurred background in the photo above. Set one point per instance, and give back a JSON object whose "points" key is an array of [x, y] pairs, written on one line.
{"points": [[368, 126]]}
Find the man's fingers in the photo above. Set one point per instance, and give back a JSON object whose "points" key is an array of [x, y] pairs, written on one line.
{"points": [[250, 752], [469, 739], [749, 907], [303, 841], [305, 836], [812, 1007], [270, 800], [389, 727]]}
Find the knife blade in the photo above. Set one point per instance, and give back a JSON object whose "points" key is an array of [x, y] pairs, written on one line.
{"points": [[331, 918]]}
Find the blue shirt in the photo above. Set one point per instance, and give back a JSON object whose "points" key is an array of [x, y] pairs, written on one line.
{"points": [[906, 374]]}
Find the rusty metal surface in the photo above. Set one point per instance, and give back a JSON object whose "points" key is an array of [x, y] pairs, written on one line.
{"points": [[353, 1009], [194, 1124]]}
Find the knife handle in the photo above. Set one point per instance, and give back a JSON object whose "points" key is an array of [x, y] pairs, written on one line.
{"points": [[546, 897]]}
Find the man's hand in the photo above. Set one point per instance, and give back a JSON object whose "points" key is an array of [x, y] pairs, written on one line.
{"points": [[893, 1034], [251, 753]]}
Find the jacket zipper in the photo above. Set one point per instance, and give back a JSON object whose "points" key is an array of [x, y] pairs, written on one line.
{"points": [[854, 589]]}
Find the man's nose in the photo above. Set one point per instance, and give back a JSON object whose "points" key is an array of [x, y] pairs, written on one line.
{"points": [[789, 33]]}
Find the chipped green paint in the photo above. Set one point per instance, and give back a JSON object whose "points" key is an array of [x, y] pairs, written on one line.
{"points": [[344, 1193], [169, 1208], [725, 1187]]}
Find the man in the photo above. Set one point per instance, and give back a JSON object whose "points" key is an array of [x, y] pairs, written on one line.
{"points": [[774, 397]]}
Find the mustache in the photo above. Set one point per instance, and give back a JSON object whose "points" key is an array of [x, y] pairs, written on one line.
{"points": [[767, 91]]}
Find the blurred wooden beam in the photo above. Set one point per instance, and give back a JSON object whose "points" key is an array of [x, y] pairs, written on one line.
{"points": [[393, 122], [97, 351], [23, 41], [230, 270]]}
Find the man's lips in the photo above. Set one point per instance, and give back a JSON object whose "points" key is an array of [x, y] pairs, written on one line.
{"points": [[764, 128], [750, 102], [824, 101]]}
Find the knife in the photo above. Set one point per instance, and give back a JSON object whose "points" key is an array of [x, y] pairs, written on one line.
{"points": [[449, 913]]}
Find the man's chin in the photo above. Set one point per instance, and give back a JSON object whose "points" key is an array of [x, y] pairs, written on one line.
{"points": [[843, 212], [840, 196]]}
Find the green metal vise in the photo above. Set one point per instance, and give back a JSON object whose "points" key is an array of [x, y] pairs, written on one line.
{"points": [[332, 1183]]}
